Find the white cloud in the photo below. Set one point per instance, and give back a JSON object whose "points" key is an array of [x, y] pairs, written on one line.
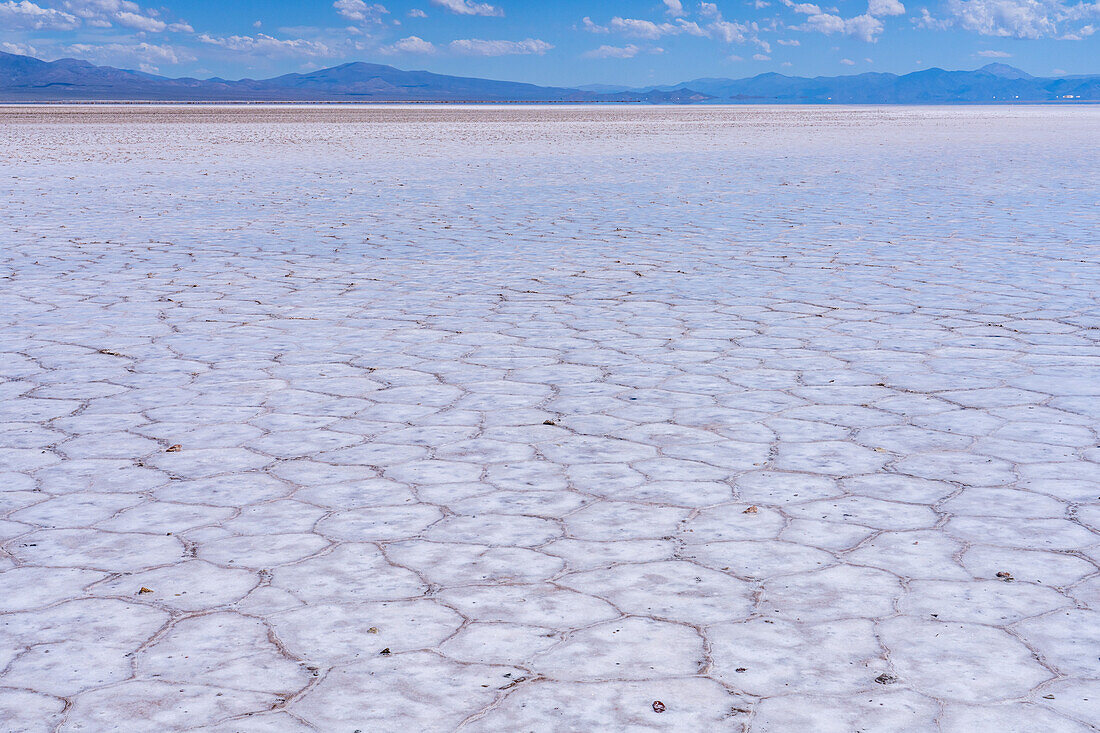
{"points": [[639, 28], [861, 27], [761, 57], [466, 7], [265, 45], [785, 42], [412, 44], [1079, 35], [26, 14], [644, 28], [106, 13], [728, 31], [881, 8], [140, 22], [864, 27], [848, 62], [690, 27], [145, 55], [360, 11], [803, 8], [417, 13], [926, 20], [1021, 18], [675, 8], [995, 54], [22, 49], [480, 47], [614, 52], [591, 27]]}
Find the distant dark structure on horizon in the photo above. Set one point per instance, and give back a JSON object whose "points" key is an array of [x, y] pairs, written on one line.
{"points": [[27, 79]]}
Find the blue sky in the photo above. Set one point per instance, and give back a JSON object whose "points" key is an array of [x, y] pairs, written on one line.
{"points": [[634, 42]]}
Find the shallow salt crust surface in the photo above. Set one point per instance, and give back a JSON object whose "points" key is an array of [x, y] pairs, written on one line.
{"points": [[525, 419]]}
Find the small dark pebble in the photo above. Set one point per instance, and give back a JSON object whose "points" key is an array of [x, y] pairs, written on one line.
{"points": [[886, 679], [658, 706], [385, 652]]}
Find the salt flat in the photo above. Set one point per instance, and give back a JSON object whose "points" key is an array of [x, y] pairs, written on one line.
{"points": [[549, 419]]}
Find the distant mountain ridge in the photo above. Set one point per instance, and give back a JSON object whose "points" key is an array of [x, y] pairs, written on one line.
{"points": [[27, 79], [989, 84]]}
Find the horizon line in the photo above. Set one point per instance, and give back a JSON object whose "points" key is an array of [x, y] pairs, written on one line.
{"points": [[561, 86]]}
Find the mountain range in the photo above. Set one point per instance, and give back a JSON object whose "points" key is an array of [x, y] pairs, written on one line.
{"points": [[27, 79]]}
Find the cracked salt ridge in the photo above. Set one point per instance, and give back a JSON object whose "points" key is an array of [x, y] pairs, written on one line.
{"points": [[775, 419]]}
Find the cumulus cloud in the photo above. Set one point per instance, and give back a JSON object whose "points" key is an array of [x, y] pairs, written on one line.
{"points": [[140, 22], [1078, 35], [1021, 18], [359, 11], [466, 7], [640, 28], [691, 28], [848, 62], [614, 52], [880, 8], [481, 47], [861, 27], [716, 26], [26, 14], [108, 13], [21, 49], [146, 55], [644, 28], [417, 13], [803, 8], [865, 27], [412, 44], [728, 31], [761, 57], [265, 45]]}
